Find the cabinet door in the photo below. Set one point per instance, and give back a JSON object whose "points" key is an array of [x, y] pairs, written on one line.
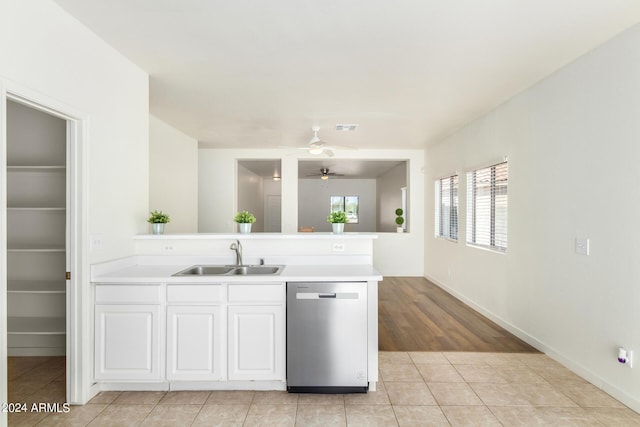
{"points": [[256, 343], [127, 340], [195, 343]]}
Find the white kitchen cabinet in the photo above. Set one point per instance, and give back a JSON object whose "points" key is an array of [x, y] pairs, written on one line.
{"points": [[214, 332], [196, 338], [128, 342], [256, 342]]}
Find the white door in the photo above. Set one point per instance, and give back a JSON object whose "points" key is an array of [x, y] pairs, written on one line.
{"points": [[127, 342], [273, 223], [195, 338], [256, 343]]}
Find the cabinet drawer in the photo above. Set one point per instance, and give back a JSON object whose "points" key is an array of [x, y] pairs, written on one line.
{"points": [[257, 292], [128, 294], [195, 293]]}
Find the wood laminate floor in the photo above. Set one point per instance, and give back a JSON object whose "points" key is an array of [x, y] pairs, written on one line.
{"points": [[416, 315]]}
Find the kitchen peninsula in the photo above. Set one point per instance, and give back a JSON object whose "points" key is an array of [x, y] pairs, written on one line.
{"points": [[158, 331]]}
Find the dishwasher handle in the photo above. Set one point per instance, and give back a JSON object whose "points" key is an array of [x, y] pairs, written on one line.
{"points": [[325, 295]]}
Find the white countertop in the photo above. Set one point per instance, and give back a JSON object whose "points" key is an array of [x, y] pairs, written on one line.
{"points": [[259, 236], [154, 273]]}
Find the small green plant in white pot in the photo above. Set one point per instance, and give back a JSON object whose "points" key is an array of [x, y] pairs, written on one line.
{"points": [[244, 220], [337, 220], [399, 220], [157, 220]]}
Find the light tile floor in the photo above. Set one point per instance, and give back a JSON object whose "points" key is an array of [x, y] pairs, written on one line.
{"points": [[416, 389]]}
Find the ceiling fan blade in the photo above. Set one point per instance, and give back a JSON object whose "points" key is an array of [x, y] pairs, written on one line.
{"points": [[339, 147], [290, 147], [328, 152]]}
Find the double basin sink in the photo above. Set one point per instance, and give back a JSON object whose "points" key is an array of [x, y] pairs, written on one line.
{"points": [[231, 270]]}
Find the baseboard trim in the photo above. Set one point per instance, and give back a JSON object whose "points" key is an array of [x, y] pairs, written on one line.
{"points": [[576, 368]]}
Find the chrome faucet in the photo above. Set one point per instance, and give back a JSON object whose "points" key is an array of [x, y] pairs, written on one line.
{"points": [[238, 248]]}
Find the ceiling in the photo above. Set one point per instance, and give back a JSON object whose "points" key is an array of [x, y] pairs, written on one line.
{"points": [[252, 74], [263, 168], [350, 169]]}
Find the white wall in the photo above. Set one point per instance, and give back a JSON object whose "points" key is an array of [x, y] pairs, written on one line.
{"points": [[46, 52], [394, 253], [573, 146], [173, 176], [389, 197], [251, 196], [314, 202], [44, 49]]}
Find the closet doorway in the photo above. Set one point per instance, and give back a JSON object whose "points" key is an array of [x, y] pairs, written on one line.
{"points": [[42, 268], [37, 236], [36, 232]]}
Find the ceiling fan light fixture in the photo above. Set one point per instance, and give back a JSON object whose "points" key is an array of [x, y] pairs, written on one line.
{"points": [[324, 177], [315, 145]]}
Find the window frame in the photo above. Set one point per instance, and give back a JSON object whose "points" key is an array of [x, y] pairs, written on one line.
{"points": [[342, 206], [496, 188], [454, 208]]}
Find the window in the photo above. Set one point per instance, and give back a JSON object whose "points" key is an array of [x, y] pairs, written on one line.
{"points": [[348, 204], [447, 207], [487, 203]]}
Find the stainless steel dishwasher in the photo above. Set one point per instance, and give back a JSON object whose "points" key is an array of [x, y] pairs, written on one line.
{"points": [[327, 337]]}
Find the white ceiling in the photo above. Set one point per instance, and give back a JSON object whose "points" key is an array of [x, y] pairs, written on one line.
{"points": [[261, 73], [350, 169]]}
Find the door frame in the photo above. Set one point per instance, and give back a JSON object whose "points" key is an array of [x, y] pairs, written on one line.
{"points": [[78, 339]]}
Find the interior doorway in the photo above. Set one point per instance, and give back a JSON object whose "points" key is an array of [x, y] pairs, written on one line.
{"points": [[41, 270], [273, 213], [37, 238], [36, 232]]}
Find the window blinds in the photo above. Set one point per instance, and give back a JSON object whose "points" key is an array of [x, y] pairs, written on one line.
{"points": [[487, 207], [447, 207]]}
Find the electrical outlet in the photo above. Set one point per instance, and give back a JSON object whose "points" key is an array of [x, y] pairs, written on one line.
{"points": [[625, 357], [338, 247]]}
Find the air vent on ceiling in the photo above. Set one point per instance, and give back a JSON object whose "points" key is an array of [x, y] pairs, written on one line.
{"points": [[346, 127]]}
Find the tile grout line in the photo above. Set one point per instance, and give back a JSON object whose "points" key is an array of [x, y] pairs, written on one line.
{"points": [[587, 408]]}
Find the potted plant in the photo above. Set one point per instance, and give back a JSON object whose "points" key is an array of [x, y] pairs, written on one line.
{"points": [[244, 220], [157, 220], [337, 220], [399, 220]]}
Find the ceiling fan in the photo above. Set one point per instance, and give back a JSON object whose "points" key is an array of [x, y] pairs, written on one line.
{"points": [[325, 174], [317, 146]]}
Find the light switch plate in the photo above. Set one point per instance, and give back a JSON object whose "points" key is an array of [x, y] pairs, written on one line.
{"points": [[96, 242], [582, 246]]}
